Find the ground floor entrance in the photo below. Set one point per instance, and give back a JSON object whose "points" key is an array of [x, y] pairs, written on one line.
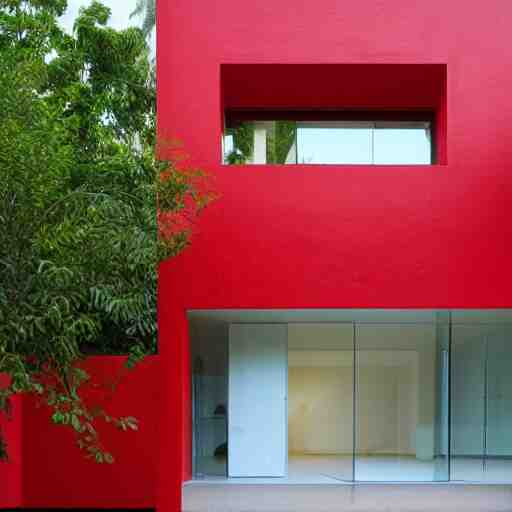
{"points": [[340, 396]]}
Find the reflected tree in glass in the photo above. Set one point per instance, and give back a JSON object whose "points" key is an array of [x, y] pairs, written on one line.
{"points": [[243, 144], [281, 140]]}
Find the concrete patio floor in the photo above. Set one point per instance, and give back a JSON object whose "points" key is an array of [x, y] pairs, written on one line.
{"points": [[208, 497]]}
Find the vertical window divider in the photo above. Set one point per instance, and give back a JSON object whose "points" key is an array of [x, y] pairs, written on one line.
{"points": [[354, 398], [450, 346], [486, 405], [372, 143], [297, 142]]}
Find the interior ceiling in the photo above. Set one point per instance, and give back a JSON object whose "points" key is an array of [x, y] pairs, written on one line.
{"points": [[377, 316]]}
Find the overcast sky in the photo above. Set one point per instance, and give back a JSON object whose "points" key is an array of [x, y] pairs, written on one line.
{"points": [[121, 10]]}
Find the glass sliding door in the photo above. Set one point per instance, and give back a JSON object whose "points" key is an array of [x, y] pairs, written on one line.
{"points": [[321, 401], [498, 435], [468, 401], [363, 395], [482, 402], [401, 402], [209, 369], [442, 398]]}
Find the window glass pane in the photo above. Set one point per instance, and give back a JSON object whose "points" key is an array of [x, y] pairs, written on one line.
{"points": [[321, 400], [261, 142], [209, 393], [334, 143], [498, 464], [401, 403], [468, 396], [402, 144]]}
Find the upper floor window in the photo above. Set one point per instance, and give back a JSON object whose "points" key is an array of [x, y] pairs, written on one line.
{"points": [[358, 138]]}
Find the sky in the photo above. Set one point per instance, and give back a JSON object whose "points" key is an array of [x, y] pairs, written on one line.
{"points": [[121, 10]]}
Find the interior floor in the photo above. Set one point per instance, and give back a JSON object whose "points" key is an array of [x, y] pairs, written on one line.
{"points": [[336, 469]]}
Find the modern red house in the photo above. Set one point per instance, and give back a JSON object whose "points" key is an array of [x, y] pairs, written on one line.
{"points": [[342, 314]]}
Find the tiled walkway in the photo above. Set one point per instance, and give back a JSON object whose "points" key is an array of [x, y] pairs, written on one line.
{"points": [[346, 498]]}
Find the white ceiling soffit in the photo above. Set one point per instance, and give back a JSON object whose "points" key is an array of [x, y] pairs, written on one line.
{"points": [[378, 316]]}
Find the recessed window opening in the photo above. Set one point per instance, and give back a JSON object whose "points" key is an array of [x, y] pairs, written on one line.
{"points": [[395, 140]]}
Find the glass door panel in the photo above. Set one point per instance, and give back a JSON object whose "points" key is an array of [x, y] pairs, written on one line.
{"points": [[400, 402], [498, 439], [442, 409], [320, 402], [468, 398], [209, 387]]}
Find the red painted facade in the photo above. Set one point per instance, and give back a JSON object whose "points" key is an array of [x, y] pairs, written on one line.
{"points": [[11, 473], [334, 236], [55, 474]]}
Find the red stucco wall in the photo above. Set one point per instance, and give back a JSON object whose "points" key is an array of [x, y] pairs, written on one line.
{"points": [[11, 472], [336, 236], [55, 473]]}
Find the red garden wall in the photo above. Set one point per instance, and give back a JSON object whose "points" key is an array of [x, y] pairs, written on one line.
{"points": [[334, 236], [11, 473], [55, 473]]}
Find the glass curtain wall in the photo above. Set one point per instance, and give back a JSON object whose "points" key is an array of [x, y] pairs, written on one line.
{"points": [[209, 361], [321, 401], [481, 434], [371, 400], [401, 402], [498, 455]]}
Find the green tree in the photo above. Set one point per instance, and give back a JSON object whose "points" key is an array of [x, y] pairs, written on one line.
{"points": [[80, 235], [147, 10]]}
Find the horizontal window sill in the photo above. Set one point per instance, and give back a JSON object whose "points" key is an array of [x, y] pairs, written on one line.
{"points": [[334, 166]]}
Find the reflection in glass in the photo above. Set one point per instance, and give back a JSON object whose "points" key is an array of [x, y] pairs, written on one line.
{"points": [[395, 396], [468, 402], [442, 398], [209, 400], [402, 143], [321, 401], [334, 143], [498, 463], [328, 142], [482, 402], [261, 142], [399, 403]]}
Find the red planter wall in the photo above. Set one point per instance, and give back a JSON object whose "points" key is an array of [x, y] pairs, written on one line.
{"points": [[55, 473], [11, 472], [334, 236]]}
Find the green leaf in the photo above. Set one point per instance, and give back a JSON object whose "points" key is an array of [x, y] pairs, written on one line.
{"points": [[75, 422]]}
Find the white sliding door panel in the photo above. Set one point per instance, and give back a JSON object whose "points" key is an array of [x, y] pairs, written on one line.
{"points": [[257, 415]]}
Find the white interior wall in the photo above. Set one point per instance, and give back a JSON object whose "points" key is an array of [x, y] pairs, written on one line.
{"points": [[320, 403], [387, 407], [396, 395], [320, 410], [320, 387]]}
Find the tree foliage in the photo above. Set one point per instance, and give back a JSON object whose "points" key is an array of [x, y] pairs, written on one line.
{"points": [[147, 10], [80, 234]]}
